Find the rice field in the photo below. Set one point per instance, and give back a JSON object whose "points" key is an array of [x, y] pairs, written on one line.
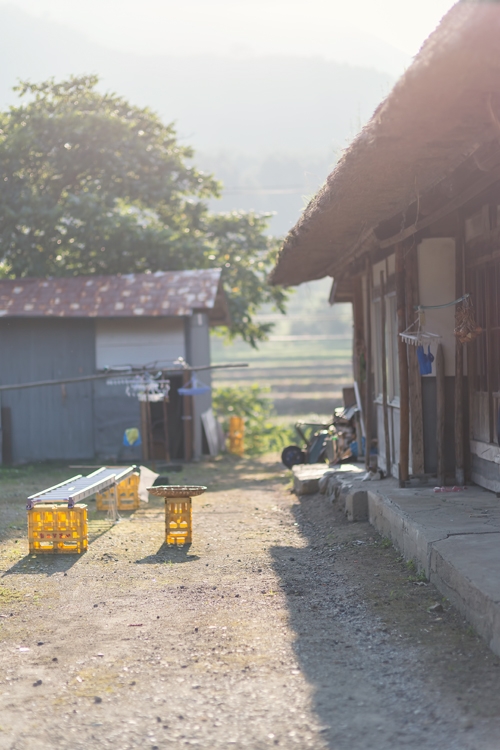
{"points": [[306, 361], [305, 377]]}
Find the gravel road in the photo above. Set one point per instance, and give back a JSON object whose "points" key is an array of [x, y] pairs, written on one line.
{"points": [[282, 625]]}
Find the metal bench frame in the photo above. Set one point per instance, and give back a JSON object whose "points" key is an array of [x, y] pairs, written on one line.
{"points": [[79, 488]]}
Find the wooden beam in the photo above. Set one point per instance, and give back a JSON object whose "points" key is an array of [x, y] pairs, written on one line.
{"points": [[459, 362], [404, 399], [383, 355], [484, 247], [440, 408], [414, 378], [368, 380], [475, 189]]}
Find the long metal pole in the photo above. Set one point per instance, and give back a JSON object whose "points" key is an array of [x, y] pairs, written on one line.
{"points": [[110, 374]]}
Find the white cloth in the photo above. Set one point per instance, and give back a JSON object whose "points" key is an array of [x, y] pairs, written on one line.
{"points": [[146, 480]]}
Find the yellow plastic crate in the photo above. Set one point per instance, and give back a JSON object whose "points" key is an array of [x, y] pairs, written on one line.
{"points": [[128, 495], [236, 436], [58, 529], [178, 520]]}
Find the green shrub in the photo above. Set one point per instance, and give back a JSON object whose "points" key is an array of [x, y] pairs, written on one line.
{"points": [[262, 434]]}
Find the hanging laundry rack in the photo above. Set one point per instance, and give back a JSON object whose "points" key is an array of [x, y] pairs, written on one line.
{"points": [[415, 334], [144, 386]]}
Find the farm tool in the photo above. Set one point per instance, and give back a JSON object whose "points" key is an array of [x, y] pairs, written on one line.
{"points": [[316, 438]]}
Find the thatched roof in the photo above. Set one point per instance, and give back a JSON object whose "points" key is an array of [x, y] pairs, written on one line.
{"points": [[440, 111]]}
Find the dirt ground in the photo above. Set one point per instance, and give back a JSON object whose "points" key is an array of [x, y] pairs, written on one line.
{"points": [[282, 625]]}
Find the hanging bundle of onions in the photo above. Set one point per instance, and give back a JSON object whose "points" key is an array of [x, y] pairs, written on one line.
{"points": [[466, 329]]}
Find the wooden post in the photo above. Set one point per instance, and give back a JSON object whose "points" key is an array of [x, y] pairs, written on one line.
{"points": [[144, 406], [459, 364], [404, 400], [489, 355], [187, 403], [150, 430], [414, 378], [384, 378], [368, 379], [440, 390], [165, 430]]}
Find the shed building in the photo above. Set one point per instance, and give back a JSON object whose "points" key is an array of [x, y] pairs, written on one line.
{"points": [[65, 328]]}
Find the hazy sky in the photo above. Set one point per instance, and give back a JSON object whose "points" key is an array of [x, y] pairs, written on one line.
{"points": [[242, 26]]}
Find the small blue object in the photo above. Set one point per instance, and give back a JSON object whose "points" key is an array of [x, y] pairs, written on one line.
{"points": [[425, 360], [131, 437], [354, 446], [194, 387]]}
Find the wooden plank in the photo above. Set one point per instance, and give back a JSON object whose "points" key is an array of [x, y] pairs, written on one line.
{"points": [[404, 399], [459, 362], [414, 378], [384, 377], [368, 380], [440, 408], [477, 187]]}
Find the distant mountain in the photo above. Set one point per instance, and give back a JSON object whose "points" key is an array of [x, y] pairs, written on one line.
{"points": [[270, 127]]}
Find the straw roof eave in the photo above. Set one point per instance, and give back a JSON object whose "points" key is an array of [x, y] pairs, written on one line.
{"points": [[441, 110]]}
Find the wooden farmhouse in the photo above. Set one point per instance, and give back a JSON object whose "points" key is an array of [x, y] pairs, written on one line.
{"points": [[67, 328], [407, 223]]}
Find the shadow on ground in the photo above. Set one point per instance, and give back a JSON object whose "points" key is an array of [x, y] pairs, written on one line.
{"points": [[166, 554], [357, 659], [49, 563], [45, 564], [227, 472]]}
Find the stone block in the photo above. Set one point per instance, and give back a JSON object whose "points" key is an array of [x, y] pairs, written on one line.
{"points": [[356, 506], [306, 478]]}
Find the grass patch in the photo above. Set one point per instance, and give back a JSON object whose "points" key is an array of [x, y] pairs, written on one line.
{"points": [[7, 596]]}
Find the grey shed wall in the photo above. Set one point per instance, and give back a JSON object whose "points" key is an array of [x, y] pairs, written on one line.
{"points": [[54, 422], [198, 353], [114, 412]]}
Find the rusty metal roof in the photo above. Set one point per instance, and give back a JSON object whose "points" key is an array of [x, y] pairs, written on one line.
{"points": [[164, 293]]}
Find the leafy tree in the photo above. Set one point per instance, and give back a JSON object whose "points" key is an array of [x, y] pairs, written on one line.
{"points": [[262, 433], [90, 184]]}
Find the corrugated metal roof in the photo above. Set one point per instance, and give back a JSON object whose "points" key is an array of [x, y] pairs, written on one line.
{"points": [[164, 293]]}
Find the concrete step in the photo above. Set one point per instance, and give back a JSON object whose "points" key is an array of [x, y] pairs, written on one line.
{"points": [[453, 537]]}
